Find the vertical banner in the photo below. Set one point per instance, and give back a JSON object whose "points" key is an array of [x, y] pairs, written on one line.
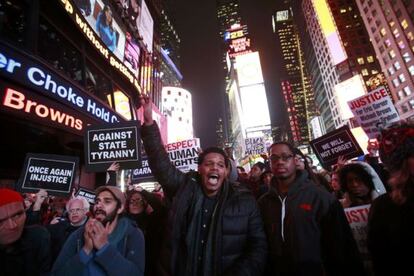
{"points": [[54, 173], [184, 154], [113, 143]]}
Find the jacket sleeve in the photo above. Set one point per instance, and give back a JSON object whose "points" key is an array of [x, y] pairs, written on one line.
{"points": [[166, 174], [68, 262], [253, 260], [153, 200], [339, 249], [113, 263]]}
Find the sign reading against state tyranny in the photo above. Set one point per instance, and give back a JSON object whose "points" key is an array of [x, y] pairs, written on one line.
{"points": [[358, 220], [372, 109], [334, 144], [113, 143], [88, 195], [255, 146], [54, 173], [184, 154]]}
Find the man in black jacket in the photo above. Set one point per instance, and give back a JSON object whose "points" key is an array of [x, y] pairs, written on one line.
{"points": [[215, 228], [306, 227]]}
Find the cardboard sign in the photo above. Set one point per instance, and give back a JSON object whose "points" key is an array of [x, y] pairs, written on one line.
{"points": [[334, 144], [142, 173], [112, 143], [358, 221], [54, 173], [184, 154], [88, 195], [255, 146], [373, 109]]}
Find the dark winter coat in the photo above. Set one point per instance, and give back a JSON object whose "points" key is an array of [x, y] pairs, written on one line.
{"points": [[238, 243], [316, 238]]}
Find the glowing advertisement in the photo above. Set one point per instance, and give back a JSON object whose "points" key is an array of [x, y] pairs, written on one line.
{"points": [[238, 42], [329, 30], [254, 105], [145, 25], [96, 21], [282, 15], [346, 91], [30, 73], [249, 71]]}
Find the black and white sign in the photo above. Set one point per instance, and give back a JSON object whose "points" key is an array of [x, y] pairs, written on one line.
{"points": [[88, 195], [143, 173], [255, 146], [54, 173], [334, 144], [113, 143]]}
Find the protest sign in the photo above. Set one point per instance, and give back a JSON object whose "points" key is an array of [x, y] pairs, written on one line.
{"points": [[112, 143], [358, 221], [143, 173], [54, 173], [373, 109], [334, 144], [184, 154], [88, 195], [255, 146]]}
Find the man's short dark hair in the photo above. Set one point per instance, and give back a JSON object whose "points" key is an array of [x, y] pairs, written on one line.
{"points": [[204, 153], [289, 145]]}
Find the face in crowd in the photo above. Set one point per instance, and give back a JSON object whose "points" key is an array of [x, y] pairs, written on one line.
{"points": [[136, 204], [336, 186], [213, 172], [106, 208], [255, 173], [356, 186], [282, 162], [77, 211], [12, 219]]}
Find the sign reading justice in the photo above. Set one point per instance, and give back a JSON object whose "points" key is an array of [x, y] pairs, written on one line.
{"points": [[114, 143]]}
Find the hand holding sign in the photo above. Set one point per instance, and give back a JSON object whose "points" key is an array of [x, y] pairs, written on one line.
{"points": [[146, 104], [40, 198]]}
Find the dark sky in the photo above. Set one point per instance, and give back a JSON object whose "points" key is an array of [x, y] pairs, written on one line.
{"points": [[201, 58]]}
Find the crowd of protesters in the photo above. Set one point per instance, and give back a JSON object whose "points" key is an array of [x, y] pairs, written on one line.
{"points": [[283, 217]]}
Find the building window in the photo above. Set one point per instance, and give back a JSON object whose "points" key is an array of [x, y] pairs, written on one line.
{"points": [[391, 23], [410, 36], [13, 21], [407, 91], [411, 69], [404, 24], [401, 44], [360, 60], [387, 43], [396, 33], [370, 59], [407, 57], [411, 104], [396, 82], [374, 72], [364, 72], [391, 54], [401, 77], [400, 95], [383, 32], [404, 109], [397, 65], [97, 83]]}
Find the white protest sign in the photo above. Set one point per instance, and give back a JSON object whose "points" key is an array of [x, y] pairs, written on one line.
{"points": [[374, 108], [255, 146], [358, 221], [184, 154]]}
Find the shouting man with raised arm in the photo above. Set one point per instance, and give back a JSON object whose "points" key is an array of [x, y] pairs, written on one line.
{"points": [[214, 228]]}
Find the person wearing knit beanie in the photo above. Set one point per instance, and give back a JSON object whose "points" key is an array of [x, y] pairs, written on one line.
{"points": [[23, 250]]}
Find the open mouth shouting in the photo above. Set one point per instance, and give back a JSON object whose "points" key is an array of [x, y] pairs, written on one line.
{"points": [[213, 179]]}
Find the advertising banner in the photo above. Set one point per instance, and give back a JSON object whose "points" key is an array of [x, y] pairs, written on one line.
{"points": [[145, 25], [255, 146], [106, 144], [88, 195], [334, 144], [358, 220], [54, 173], [184, 154], [373, 109]]}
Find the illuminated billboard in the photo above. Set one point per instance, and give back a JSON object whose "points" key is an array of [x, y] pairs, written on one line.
{"points": [[238, 42], [145, 25], [95, 20], [329, 30], [254, 106], [346, 91], [248, 68]]}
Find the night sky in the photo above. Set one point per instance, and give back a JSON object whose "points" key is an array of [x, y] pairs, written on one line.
{"points": [[201, 65]]}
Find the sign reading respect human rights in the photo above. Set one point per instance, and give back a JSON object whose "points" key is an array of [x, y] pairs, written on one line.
{"points": [[113, 143]]}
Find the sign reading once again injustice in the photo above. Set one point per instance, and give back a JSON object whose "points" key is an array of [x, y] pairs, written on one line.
{"points": [[334, 144], [54, 173], [113, 143]]}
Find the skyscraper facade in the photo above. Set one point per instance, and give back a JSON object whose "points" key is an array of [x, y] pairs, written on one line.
{"points": [[390, 27], [295, 82]]}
